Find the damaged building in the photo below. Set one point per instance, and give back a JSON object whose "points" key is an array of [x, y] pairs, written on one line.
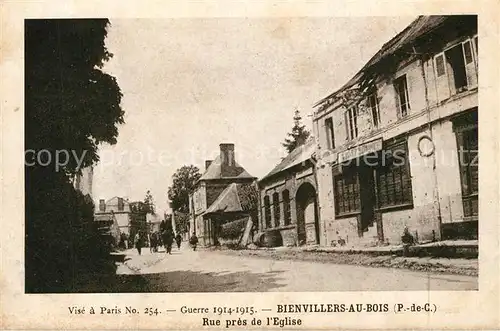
{"points": [[219, 196], [397, 145]]}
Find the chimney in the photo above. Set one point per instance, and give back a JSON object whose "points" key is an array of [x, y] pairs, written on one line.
{"points": [[207, 164], [102, 205], [227, 155], [120, 204]]}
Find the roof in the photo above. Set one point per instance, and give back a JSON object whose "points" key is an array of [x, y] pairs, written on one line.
{"points": [[417, 28], [215, 171], [103, 217], [125, 200], [235, 198], [300, 154]]}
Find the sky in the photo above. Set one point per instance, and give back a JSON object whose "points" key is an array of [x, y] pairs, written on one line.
{"points": [[190, 84]]}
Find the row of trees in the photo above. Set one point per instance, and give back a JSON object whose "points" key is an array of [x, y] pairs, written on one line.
{"points": [[70, 105]]}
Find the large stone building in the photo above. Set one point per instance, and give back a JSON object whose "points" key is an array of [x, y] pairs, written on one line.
{"points": [[397, 144], [219, 174], [288, 199]]}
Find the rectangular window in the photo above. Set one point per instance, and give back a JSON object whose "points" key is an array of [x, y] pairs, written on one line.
{"points": [[351, 118], [440, 66], [346, 192], [330, 138], [456, 69], [456, 63], [402, 97], [286, 207], [375, 112], [267, 212], [393, 177], [467, 142], [276, 209]]}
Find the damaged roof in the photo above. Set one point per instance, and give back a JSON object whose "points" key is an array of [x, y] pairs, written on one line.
{"points": [[417, 28], [235, 198], [300, 154]]}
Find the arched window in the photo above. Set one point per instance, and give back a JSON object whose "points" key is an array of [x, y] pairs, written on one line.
{"points": [[276, 208], [286, 207], [267, 212]]}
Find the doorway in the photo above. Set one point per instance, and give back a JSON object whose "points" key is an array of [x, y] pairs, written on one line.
{"points": [[367, 197], [307, 215]]}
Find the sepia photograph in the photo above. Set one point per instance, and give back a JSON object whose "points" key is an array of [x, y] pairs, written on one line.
{"points": [[273, 154]]}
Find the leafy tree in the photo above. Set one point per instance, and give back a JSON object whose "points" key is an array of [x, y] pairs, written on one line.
{"points": [[299, 134], [70, 105], [149, 203], [184, 183]]}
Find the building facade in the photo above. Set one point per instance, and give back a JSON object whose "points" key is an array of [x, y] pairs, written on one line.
{"points": [[397, 145], [153, 222], [218, 175], [288, 199], [119, 209]]}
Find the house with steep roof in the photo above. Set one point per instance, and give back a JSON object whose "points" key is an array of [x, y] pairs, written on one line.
{"points": [[288, 200], [233, 211], [218, 176]]}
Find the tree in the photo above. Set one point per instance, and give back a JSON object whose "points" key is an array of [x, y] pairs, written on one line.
{"points": [[299, 134], [181, 222], [73, 106], [183, 184], [78, 104], [149, 203]]}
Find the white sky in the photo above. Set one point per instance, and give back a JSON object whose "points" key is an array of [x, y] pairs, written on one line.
{"points": [[190, 84]]}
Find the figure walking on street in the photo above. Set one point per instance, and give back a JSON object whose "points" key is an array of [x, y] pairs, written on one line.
{"points": [[178, 240], [193, 241], [138, 242], [153, 239], [168, 240]]}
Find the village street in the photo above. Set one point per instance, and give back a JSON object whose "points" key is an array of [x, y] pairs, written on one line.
{"points": [[212, 271]]}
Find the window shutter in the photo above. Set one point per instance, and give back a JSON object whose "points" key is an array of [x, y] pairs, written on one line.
{"points": [[394, 179], [398, 100], [346, 121], [470, 66], [442, 85], [476, 51], [463, 168]]}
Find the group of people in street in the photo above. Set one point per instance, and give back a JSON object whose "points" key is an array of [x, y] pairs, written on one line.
{"points": [[165, 238]]}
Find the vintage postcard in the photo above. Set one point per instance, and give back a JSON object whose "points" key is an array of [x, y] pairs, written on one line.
{"points": [[239, 165]]}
